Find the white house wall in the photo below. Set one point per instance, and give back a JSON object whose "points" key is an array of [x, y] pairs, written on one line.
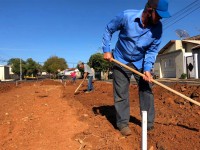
{"points": [[197, 51], [169, 65], [189, 46], [157, 68], [170, 49], [2, 73], [178, 45]]}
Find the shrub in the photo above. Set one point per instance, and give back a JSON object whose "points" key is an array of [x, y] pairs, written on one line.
{"points": [[183, 76]]}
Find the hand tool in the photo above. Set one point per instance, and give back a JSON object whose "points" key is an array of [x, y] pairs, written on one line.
{"points": [[79, 86], [156, 82]]}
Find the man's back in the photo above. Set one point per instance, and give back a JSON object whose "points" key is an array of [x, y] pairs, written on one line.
{"points": [[88, 70]]}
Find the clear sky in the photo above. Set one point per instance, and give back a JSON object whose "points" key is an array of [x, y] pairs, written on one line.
{"points": [[73, 29]]}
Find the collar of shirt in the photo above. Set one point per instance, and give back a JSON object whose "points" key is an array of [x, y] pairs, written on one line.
{"points": [[139, 17]]}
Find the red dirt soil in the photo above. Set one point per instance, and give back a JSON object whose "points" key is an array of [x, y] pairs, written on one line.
{"points": [[47, 115]]}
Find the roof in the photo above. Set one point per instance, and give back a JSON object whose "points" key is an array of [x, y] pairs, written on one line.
{"points": [[167, 46], [71, 69], [196, 47], [191, 41], [171, 42], [4, 66], [197, 37]]}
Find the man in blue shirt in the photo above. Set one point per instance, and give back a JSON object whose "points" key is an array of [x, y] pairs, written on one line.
{"points": [[140, 34]]}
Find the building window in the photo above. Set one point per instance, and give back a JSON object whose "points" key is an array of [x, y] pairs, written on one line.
{"points": [[169, 63]]}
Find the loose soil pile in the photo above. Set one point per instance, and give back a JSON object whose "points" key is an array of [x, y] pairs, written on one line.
{"points": [[46, 115]]}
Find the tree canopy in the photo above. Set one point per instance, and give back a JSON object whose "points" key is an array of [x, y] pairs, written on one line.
{"points": [[98, 63], [54, 64], [32, 67], [28, 67], [15, 66]]}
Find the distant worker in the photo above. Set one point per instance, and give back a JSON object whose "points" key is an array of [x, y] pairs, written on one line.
{"points": [[88, 73], [62, 78], [73, 75], [140, 33]]}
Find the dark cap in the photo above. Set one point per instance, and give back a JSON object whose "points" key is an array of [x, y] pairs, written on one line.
{"points": [[161, 7]]}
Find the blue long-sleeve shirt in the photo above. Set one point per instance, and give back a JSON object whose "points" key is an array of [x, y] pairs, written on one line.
{"points": [[135, 44]]}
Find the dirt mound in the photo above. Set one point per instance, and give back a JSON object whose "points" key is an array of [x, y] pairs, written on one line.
{"points": [[51, 82], [4, 87], [177, 124], [47, 115]]}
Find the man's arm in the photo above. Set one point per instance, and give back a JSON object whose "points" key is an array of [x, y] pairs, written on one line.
{"points": [[113, 26], [85, 75], [150, 58]]}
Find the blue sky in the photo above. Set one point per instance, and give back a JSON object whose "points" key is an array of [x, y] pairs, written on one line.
{"points": [[72, 29]]}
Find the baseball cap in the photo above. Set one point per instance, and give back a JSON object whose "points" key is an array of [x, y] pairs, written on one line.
{"points": [[161, 7], [80, 62]]}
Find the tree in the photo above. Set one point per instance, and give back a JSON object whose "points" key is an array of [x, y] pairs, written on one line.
{"points": [[54, 64], [15, 66], [98, 63], [32, 68]]}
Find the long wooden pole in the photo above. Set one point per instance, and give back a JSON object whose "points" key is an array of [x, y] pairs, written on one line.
{"points": [[79, 86], [156, 82]]}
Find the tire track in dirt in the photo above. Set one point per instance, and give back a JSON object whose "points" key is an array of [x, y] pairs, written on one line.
{"points": [[36, 116]]}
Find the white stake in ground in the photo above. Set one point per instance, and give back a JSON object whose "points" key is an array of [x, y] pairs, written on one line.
{"points": [[144, 130]]}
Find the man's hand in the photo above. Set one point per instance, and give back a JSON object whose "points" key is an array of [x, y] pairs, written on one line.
{"points": [[85, 75], [147, 76], [107, 56]]}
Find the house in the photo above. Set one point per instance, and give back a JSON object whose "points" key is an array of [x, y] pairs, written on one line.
{"points": [[177, 58], [68, 72], [4, 73], [196, 54]]}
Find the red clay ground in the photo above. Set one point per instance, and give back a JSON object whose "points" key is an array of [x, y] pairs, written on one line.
{"points": [[46, 115]]}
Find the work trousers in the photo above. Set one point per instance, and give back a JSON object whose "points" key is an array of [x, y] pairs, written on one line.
{"points": [[121, 82], [90, 85]]}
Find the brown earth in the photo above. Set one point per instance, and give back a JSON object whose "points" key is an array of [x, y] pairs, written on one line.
{"points": [[46, 115]]}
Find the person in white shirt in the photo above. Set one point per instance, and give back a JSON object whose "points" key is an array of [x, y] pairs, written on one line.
{"points": [[88, 73]]}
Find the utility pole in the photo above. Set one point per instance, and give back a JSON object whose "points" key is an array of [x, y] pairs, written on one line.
{"points": [[20, 69]]}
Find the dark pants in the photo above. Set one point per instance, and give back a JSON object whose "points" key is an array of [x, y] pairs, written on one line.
{"points": [[73, 79], [121, 81], [90, 85]]}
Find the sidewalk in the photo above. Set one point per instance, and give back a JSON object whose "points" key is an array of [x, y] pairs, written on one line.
{"points": [[176, 80], [169, 80]]}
